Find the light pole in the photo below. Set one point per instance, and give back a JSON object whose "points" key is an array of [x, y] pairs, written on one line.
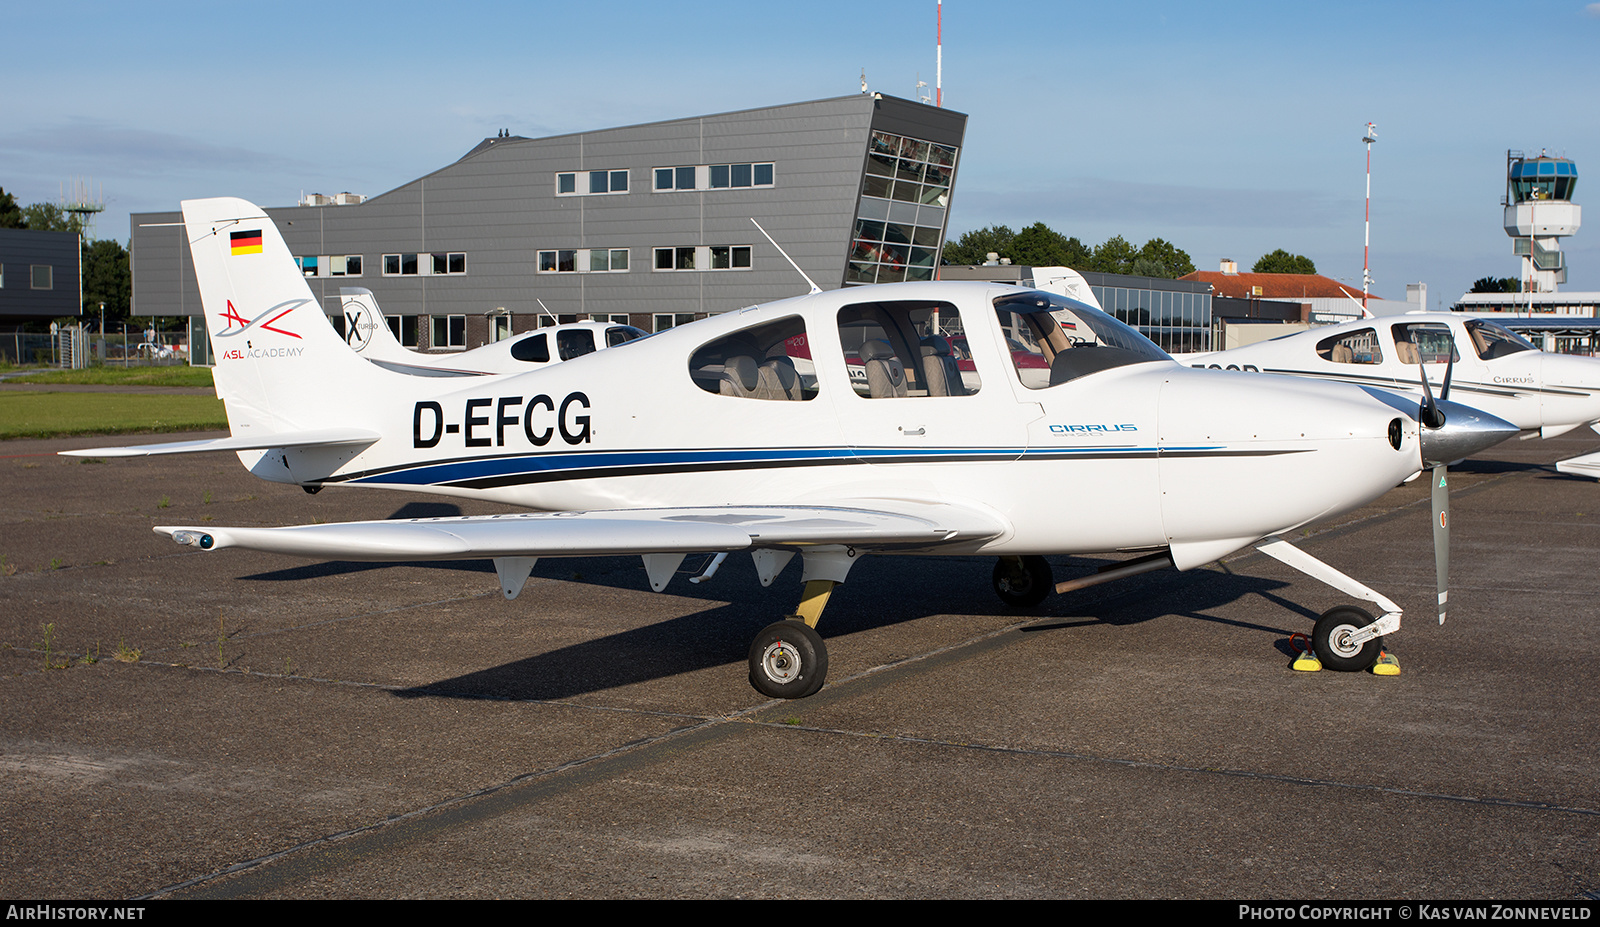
{"points": [[1366, 243]]}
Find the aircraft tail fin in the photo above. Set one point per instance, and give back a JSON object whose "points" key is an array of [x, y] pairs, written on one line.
{"points": [[366, 330], [280, 365]]}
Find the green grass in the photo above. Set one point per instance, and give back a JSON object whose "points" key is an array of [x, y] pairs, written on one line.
{"points": [[122, 376], [48, 415]]}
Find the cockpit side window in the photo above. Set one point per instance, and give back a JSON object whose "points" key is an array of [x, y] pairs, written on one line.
{"points": [[1492, 341], [770, 361], [533, 349], [1054, 340], [1424, 343], [1357, 347], [907, 348]]}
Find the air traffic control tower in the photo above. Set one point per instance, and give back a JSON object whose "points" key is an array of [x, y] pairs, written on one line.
{"points": [[1539, 213]]}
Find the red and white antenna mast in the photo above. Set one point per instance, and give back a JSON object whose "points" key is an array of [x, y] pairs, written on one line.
{"points": [[938, 68], [1366, 244]]}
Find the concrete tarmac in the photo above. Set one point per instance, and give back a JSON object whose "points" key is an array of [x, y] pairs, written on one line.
{"points": [[233, 724]]}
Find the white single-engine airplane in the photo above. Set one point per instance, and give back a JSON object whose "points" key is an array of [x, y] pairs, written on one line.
{"points": [[703, 439], [368, 334], [1473, 359]]}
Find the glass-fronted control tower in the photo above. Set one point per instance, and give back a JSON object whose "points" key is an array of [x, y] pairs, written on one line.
{"points": [[1539, 213]]}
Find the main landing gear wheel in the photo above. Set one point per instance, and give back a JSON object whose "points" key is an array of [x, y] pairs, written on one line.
{"points": [[1022, 582], [788, 660], [1331, 640]]}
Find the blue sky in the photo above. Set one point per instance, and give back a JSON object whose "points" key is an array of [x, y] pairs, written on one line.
{"points": [[1229, 129]]}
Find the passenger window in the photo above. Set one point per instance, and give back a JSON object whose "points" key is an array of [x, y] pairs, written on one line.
{"points": [[906, 348], [575, 342], [1359, 347], [1424, 343], [771, 361], [533, 349], [622, 334]]}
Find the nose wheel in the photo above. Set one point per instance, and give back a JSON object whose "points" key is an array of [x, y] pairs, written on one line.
{"points": [[788, 660], [1022, 582], [1334, 639]]}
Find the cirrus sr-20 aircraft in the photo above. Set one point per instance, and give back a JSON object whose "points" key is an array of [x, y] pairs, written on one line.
{"points": [[704, 439], [1484, 364]]}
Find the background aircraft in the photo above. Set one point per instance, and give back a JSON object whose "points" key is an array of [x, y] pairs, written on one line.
{"points": [[1489, 367], [369, 335], [703, 438]]}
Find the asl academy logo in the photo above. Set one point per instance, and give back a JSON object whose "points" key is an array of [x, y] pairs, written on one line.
{"points": [[238, 325], [268, 321]]}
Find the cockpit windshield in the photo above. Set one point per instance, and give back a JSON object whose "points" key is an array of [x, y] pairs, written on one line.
{"points": [[1054, 339], [1491, 340]]}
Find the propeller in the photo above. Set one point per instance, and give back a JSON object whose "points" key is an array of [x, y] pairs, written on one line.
{"points": [[1432, 416], [1450, 431]]}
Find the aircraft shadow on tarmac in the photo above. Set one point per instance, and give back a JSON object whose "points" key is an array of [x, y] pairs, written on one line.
{"points": [[876, 596]]}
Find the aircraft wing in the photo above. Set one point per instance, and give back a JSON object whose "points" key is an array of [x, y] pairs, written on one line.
{"points": [[662, 535], [326, 437], [1585, 465], [899, 526]]}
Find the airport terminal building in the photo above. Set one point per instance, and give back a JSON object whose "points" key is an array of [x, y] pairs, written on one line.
{"points": [[649, 222]]}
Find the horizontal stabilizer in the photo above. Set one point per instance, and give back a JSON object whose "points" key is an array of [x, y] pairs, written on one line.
{"points": [[413, 370], [326, 437], [633, 531]]}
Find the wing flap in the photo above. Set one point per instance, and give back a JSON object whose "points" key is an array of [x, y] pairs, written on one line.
{"points": [[632, 531]]}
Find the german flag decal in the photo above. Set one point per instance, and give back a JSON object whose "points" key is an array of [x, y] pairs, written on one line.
{"points": [[246, 242]]}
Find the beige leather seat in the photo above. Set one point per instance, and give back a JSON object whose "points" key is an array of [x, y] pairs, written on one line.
{"points": [[886, 375]]}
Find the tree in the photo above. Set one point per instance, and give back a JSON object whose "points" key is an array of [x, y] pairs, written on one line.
{"points": [[1039, 245], [10, 212], [48, 217], [1496, 285], [106, 279], [1282, 262], [1113, 256], [973, 247], [1160, 258]]}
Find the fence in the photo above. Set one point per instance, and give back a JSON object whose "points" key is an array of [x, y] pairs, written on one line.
{"points": [[72, 346]]}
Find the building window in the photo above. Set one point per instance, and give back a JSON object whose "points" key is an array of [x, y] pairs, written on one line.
{"points": [[404, 328], [338, 265], [666, 320], [42, 276], [608, 260], [714, 257], [618, 318], [729, 257], [909, 179], [400, 265], [450, 263], [586, 183], [449, 331], [583, 261], [713, 177]]}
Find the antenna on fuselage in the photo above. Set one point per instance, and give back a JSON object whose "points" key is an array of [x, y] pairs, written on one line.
{"points": [[786, 257]]}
